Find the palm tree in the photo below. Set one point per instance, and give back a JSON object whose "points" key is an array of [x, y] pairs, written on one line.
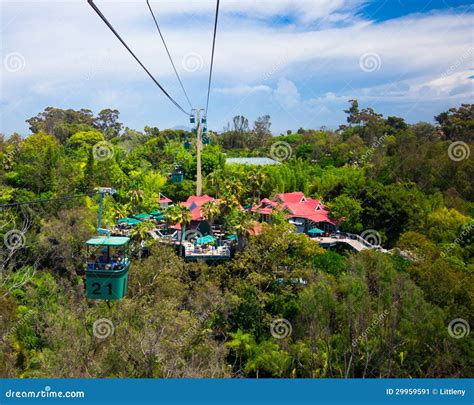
{"points": [[234, 187], [142, 232], [211, 210], [179, 214], [136, 197], [240, 222], [143, 229], [214, 181], [256, 178], [120, 211]]}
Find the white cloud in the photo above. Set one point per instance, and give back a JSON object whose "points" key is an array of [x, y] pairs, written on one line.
{"points": [[304, 11], [314, 61], [244, 89], [287, 93]]}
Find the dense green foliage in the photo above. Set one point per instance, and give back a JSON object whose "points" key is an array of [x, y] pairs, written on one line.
{"points": [[367, 314]]}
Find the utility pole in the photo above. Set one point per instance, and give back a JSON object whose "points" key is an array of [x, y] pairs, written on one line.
{"points": [[198, 153]]}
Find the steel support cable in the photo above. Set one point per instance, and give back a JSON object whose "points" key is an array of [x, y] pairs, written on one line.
{"points": [[212, 55], [104, 19], [169, 54]]}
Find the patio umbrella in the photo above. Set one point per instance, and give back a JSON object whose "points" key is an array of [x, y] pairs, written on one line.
{"points": [[205, 239], [315, 231], [128, 221]]}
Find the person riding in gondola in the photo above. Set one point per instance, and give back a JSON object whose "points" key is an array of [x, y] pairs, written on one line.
{"points": [[103, 258]]}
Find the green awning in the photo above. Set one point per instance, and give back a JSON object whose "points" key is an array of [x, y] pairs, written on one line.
{"points": [[232, 237], [129, 221], [156, 213], [144, 215], [315, 231], [108, 241], [205, 239]]}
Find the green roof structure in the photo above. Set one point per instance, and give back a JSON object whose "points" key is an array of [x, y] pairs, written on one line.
{"points": [[129, 221], [108, 241]]}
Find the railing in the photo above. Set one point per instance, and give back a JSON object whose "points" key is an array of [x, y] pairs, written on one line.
{"points": [[220, 251], [109, 265], [358, 238]]}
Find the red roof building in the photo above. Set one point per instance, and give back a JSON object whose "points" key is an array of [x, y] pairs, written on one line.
{"points": [[302, 211], [194, 203], [164, 201]]}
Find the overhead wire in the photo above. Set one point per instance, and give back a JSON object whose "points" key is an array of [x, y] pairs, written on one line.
{"points": [[212, 55], [169, 54], [109, 25]]}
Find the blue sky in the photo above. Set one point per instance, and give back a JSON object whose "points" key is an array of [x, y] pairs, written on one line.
{"points": [[297, 60]]}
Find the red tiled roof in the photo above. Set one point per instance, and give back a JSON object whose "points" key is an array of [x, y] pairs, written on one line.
{"points": [[294, 198], [194, 203], [298, 206], [164, 200]]}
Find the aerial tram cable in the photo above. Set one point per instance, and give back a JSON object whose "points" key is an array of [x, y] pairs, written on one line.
{"points": [[104, 19], [212, 56], [169, 54]]}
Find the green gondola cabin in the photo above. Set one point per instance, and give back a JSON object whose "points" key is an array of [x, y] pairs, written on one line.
{"points": [[107, 267], [177, 176]]}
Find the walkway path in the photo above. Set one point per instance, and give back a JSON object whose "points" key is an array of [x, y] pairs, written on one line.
{"points": [[355, 242]]}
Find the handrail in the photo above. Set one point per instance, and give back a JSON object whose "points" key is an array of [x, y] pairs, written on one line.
{"points": [[347, 235]]}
